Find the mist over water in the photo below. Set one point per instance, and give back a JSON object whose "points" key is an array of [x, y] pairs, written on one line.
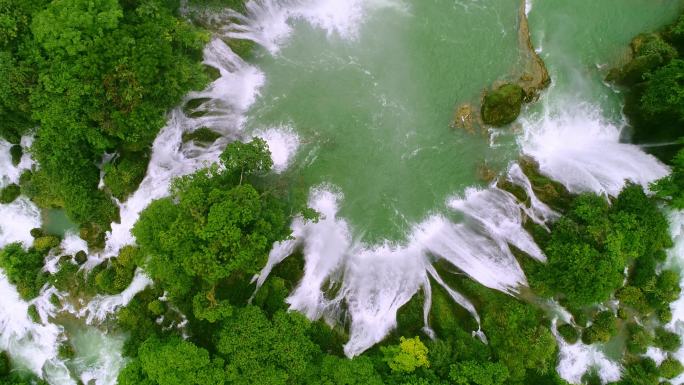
{"points": [[355, 99]]}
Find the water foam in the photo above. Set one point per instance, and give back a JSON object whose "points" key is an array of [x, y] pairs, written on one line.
{"points": [[268, 22], [576, 359], [228, 98], [676, 261], [367, 284], [582, 150], [103, 305], [283, 143]]}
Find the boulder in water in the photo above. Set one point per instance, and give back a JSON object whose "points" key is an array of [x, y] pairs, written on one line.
{"points": [[94, 235], [45, 243], [463, 118], [502, 105], [4, 364], [201, 135], [9, 193], [81, 257], [16, 152]]}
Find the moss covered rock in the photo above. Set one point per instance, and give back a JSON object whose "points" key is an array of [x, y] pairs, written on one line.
{"points": [[201, 135], [123, 176], [546, 189], [37, 232], [16, 152], [242, 47], [670, 368], [5, 365], [94, 235], [502, 105], [192, 107], [569, 333], [45, 243], [66, 351], [33, 314], [81, 257], [9, 193]]}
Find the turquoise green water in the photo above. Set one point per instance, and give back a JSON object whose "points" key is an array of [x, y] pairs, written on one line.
{"points": [[56, 222], [582, 39], [373, 112]]}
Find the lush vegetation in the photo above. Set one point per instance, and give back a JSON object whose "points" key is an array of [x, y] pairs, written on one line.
{"points": [[652, 80], [94, 77], [9, 376]]}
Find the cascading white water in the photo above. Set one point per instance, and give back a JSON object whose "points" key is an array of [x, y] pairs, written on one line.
{"points": [[228, 99], [29, 344], [575, 359], [375, 281], [577, 147], [676, 261], [103, 305]]}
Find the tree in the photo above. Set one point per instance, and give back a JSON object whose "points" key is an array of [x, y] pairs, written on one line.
{"points": [[342, 371], [603, 328], [94, 77], [172, 362], [663, 95], [518, 338], [671, 187], [259, 350], [214, 225], [478, 373], [591, 246], [406, 357], [23, 269]]}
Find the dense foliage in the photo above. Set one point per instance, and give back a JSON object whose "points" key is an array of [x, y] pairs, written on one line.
{"points": [[590, 247], [94, 77], [654, 89], [215, 224]]}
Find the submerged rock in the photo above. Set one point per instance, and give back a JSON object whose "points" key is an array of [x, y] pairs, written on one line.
{"points": [[486, 173], [463, 118], [201, 135], [535, 76], [502, 105]]}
